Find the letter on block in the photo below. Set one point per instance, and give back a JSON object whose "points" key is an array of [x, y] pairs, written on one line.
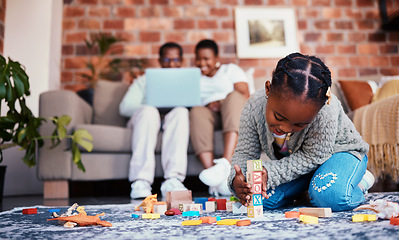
{"points": [[254, 165], [255, 211], [210, 206], [257, 199]]}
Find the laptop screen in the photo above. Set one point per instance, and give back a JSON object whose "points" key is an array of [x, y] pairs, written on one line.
{"points": [[173, 87]]}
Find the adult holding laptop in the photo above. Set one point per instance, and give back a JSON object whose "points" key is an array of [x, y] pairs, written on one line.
{"points": [[224, 91], [145, 121]]}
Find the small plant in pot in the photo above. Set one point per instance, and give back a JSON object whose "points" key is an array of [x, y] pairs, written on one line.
{"points": [[19, 127]]}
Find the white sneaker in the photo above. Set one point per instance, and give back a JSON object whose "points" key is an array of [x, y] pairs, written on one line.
{"points": [[172, 184], [223, 189], [367, 181], [140, 189], [215, 175]]}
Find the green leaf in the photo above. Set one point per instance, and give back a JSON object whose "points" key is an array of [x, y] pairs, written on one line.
{"points": [[61, 123], [22, 134], [84, 139], [77, 157]]}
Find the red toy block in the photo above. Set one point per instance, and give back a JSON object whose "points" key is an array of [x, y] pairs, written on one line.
{"points": [[29, 211], [221, 204], [394, 221]]}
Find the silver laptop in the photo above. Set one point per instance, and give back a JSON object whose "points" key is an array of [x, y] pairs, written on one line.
{"points": [[173, 87]]}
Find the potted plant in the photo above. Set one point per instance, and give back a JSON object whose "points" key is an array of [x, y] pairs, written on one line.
{"points": [[19, 127]]}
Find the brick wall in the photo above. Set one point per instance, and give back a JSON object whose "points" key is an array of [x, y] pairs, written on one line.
{"points": [[344, 33], [2, 19]]}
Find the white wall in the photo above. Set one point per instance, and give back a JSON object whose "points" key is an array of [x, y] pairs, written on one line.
{"points": [[32, 36]]}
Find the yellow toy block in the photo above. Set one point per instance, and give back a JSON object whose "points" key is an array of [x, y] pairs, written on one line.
{"points": [[364, 217], [227, 222], [309, 219], [191, 222], [371, 217], [151, 215]]}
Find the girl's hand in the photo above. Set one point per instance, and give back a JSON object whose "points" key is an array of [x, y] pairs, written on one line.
{"points": [[264, 183], [242, 188], [214, 106]]}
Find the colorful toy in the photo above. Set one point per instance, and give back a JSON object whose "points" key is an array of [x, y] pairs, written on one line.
{"points": [[169, 213], [160, 207], [54, 210], [394, 221], [292, 214], [29, 211], [190, 213], [177, 211], [174, 198], [82, 219], [220, 203], [227, 222], [135, 216], [208, 219], [308, 219], [316, 212], [210, 206], [191, 222], [364, 217], [383, 208], [147, 204], [151, 216], [229, 206], [69, 212], [254, 177], [201, 200], [245, 222], [196, 207]]}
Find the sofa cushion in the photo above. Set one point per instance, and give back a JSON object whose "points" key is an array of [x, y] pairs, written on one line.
{"points": [[109, 139], [389, 88], [357, 93], [106, 100]]}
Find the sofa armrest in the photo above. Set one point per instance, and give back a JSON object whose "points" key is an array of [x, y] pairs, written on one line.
{"points": [[55, 164]]}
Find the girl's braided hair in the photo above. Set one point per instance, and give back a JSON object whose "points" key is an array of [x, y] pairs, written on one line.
{"points": [[304, 76]]}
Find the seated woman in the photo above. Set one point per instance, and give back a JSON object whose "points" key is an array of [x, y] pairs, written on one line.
{"points": [[224, 91]]}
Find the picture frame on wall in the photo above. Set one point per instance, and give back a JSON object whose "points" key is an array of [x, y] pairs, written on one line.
{"points": [[266, 32]]}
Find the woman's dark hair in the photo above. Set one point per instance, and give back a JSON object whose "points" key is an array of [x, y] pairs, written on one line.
{"points": [[304, 76], [207, 43], [170, 45]]}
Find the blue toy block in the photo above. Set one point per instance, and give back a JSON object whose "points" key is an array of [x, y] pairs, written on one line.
{"points": [[201, 200], [257, 199], [135, 216], [54, 210], [191, 214], [217, 218]]}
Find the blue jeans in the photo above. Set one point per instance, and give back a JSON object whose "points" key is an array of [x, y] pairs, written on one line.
{"points": [[334, 184]]}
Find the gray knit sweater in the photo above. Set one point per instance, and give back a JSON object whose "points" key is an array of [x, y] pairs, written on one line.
{"points": [[330, 132]]}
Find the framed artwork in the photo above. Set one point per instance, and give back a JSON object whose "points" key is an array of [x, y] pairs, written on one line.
{"points": [[266, 32]]}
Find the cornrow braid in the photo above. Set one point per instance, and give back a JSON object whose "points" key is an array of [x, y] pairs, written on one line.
{"points": [[304, 76]]}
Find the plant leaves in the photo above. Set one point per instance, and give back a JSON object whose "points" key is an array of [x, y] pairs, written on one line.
{"points": [[84, 139], [76, 157]]}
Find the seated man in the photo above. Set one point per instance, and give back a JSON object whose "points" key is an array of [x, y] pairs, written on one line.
{"points": [[146, 123]]}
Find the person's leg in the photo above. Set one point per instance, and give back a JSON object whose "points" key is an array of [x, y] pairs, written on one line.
{"points": [[285, 193], [175, 143], [231, 109], [335, 182], [203, 122], [146, 124]]}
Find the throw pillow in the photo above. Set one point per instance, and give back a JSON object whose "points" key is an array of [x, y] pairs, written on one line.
{"points": [[357, 93], [106, 100], [389, 88]]}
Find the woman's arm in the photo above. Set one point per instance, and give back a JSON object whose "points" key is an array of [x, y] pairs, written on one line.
{"points": [[242, 87]]}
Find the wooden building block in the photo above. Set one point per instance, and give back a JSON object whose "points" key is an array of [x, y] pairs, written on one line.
{"points": [[316, 212], [245, 222], [394, 221], [208, 219], [255, 211], [151, 215], [238, 208], [227, 222], [196, 207], [256, 200], [174, 198], [254, 165], [201, 200], [184, 207], [160, 208], [292, 214], [229, 206], [191, 222], [29, 211], [221, 204], [309, 219], [191, 214], [210, 206]]}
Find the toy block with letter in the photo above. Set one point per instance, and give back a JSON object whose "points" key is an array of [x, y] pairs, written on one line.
{"points": [[174, 198], [210, 206], [316, 212], [254, 178], [160, 207]]}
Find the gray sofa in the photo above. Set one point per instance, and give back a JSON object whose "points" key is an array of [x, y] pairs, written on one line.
{"points": [[111, 139]]}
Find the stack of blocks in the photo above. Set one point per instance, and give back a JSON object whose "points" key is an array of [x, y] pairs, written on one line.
{"points": [[254, 177]]}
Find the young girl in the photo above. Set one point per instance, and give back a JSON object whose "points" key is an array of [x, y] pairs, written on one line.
{"points": [[311, 143]]}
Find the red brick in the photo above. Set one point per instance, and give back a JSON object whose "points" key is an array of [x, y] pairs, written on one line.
{"points": [[150, 36], [88, 24], [336, 61], [346, 72], [367, 72], [136, 24], [249, 62], [367, 48], [277, 2], [393, 36], [125, 12], [220, 12], [182, 2], [377, 37], [160, 23], [99, 12], [389, 71], [343, 3], [127, 37], [196, 11], [299, 2], [113, 24], [67, 50], [153, 11], [365, 24], [321, 2], [93, 2], [230, 48], [196, 36], [159, 2], [68, 24], [346, 49], [133, 2], [310, 13], [334, 37], [390, 48], [205, 2], [312, 37], [175, 36], [366, 3], [395, 60], [302, 24], [330, 13], [223, 36], [306, 49], [373, 14], [66, 76], [184, 24], [356, 37], [359, 61], [229, 2], [137, 50], [75, 62], [322, 24], [111, 2], [353, 13], [75, 37], [379, 61], [70, 11], [325, 49], [207, 24], [344, 25], [229, 24], [252, 2], [175, 12]]}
